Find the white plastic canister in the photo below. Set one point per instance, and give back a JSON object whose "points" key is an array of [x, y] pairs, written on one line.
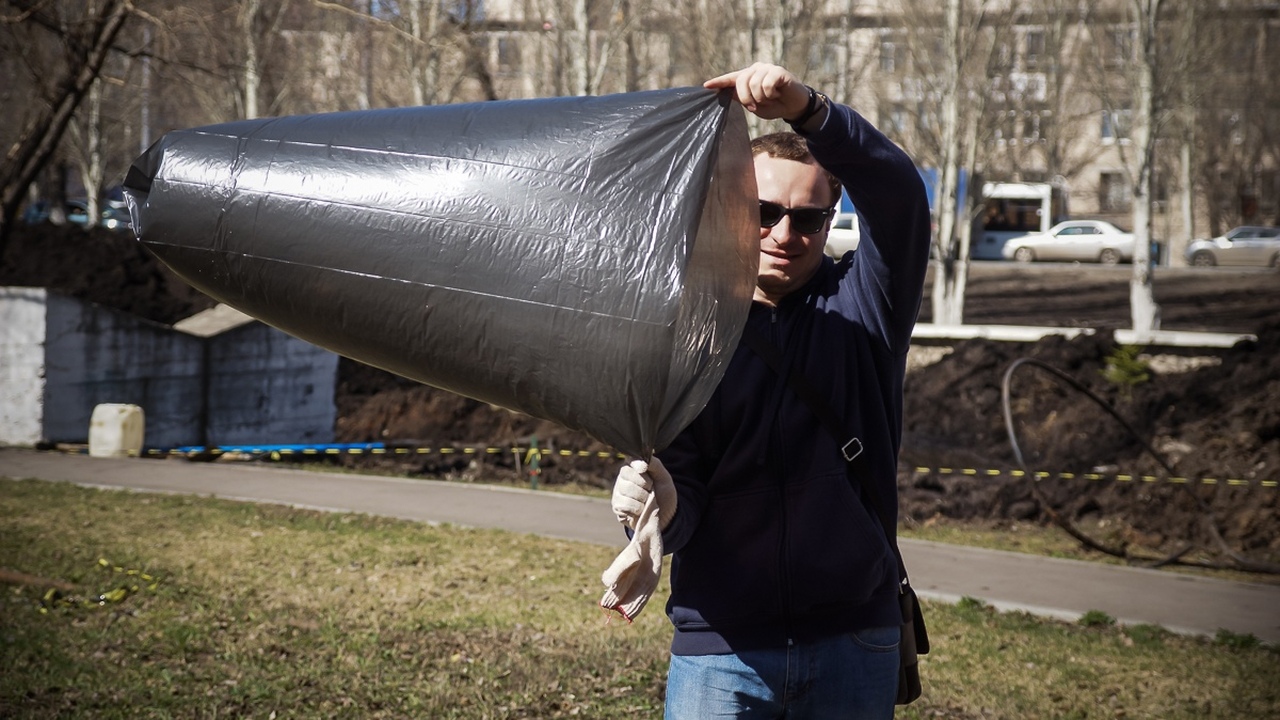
{"points": [[116, 430]]}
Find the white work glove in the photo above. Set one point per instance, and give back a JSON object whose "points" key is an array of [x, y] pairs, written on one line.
{"points": [[635, 483], [644, 499], [632, 577]]}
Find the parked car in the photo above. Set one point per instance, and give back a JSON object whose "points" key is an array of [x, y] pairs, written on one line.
{"points": [[1247, 245], [1073, 240], [843, 235], [113, 217]]}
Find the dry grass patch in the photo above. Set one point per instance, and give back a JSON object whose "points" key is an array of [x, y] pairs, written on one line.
{"points": [[257, 609]]}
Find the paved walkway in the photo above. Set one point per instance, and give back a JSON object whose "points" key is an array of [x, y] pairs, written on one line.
{"points": [[1009, 581]]}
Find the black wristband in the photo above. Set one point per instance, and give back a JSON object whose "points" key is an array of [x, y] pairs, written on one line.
{"points": [[810, 109]]}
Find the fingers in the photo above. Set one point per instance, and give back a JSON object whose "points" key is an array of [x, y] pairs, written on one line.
{"points": [[630, 491], [769, 91], [635, 477], [639, 482], [727, 80]]}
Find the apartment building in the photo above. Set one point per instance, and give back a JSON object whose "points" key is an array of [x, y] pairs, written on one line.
{"points": [[1046, 90]]}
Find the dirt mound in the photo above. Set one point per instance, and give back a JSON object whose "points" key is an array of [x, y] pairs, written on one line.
{"points": [[100, 266], [376, 406], [1219, 421]]}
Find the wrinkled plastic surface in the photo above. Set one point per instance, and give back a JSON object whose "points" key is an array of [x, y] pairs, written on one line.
{"points": [[586, 260]]}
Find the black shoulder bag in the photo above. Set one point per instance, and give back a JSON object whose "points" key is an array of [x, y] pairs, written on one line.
{"points": [[915, 638]]}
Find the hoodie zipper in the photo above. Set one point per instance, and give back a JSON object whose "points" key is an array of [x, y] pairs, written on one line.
{"points": [[777, 467]]}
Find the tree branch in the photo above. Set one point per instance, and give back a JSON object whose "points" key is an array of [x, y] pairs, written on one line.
{"points": [[40, 137]]}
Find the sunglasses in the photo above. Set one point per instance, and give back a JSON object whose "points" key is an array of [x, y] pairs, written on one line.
{"points": [[807, 220]]}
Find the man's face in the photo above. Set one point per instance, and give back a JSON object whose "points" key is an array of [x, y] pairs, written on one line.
{"points": [[788, 258]]}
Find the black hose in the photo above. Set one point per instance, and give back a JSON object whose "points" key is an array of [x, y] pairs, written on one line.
{"points": [[1239, 562]]}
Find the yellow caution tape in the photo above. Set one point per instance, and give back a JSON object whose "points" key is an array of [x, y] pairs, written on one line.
{"points": [[55, 598], [282, 453], [530, 454], [1117, 477]]}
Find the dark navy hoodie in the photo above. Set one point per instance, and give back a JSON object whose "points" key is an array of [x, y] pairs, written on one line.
{"points": [[771, 540]]}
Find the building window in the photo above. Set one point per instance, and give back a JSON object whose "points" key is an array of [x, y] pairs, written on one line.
{"points": [[1003, 61], [1119, 50], [893, 54], [508, 52], [464, 11], [1269, 191], [1030, 126], [825, 56], [1045, 128], [1159, 187], [927, 114], [1006, 126], [897, 121], [1028, 86], [1114, 193], [1035, 50], [1116, 124]]}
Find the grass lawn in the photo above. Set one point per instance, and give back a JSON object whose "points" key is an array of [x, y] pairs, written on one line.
{"points": [[214, 608]]}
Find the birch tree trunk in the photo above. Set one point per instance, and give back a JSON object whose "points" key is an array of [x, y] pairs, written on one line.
{"points": [[844, 79], [1143, 308], [630, 57], [144, 102], [947, 310], [1186, 153], [364, 99], [1186, 193], [779, 45], [964, 221], [91, 173], [581, 48], [416, 54], [251, 79]]}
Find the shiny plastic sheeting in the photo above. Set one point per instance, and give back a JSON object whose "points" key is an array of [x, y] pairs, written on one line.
{"points": [[585, 260]]}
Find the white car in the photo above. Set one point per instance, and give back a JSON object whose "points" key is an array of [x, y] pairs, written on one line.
{"points": [[1073, 241], [1248, 245], [843, 235]]}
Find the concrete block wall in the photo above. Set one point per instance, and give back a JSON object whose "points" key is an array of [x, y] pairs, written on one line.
{"points": [[60, 357], [22, 334], [265, 383], [94, 354]]}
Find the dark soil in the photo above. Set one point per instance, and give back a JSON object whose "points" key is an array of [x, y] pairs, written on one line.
{"points": [[107, 268], [1218, 421]]}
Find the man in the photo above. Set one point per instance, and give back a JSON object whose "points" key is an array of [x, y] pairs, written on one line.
{"points": [[783, 584]]}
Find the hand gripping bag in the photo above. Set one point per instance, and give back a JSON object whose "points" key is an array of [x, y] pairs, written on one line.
{"points": [[586, 260]]}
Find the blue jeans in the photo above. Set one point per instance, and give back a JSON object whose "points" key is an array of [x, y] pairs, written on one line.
{"points": [[847, 676]]}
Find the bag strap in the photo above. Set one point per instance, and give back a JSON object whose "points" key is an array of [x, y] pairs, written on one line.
{"points": [[850, 446]]}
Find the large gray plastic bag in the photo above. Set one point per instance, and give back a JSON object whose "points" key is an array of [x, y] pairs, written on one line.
{"points": [[585, 260]]}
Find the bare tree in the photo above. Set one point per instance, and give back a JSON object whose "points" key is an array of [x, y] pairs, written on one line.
{"points": [[1132, 32], [1190, 61], [87, 44], [630, 54], [580, 49], [1237, 139], [944, 91], [251, 79], [1142, 304], [423, 52], [92, 169], [951, 263]]}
